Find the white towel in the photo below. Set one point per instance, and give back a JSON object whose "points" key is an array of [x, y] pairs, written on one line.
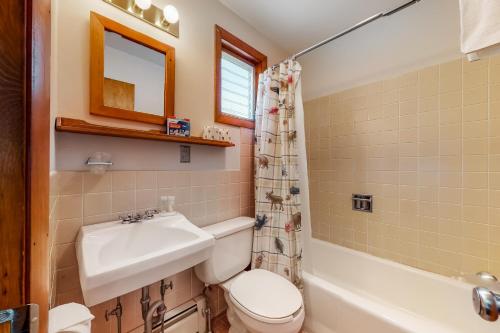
{"points": [[480, 20]]}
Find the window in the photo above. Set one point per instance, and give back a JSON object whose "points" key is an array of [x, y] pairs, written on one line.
{"points": [[237, 69], [237, 87]]}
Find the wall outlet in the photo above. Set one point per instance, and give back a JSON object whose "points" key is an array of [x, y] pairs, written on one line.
{"points": [[185, 154]]}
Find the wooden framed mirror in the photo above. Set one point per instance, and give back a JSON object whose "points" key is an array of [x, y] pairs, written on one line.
{"points": [[132, 76]]}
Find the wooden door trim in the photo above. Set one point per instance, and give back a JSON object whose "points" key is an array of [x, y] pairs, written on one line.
{"points": [[24, 168], [38, 156]]}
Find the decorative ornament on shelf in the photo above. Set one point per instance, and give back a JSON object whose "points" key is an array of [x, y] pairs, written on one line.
{"points": [[211, 132]]}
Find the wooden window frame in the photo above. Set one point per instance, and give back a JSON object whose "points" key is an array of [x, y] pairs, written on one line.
{"points": [[227, 42]]}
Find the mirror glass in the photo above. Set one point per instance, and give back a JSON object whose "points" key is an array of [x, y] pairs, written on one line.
{"points": [[134, 76]]}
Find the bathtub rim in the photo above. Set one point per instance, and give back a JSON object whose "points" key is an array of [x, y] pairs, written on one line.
{"points": [[388, 313], [309, 267]]}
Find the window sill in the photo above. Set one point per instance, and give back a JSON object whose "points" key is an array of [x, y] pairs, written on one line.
{"points": [[233, 121]]}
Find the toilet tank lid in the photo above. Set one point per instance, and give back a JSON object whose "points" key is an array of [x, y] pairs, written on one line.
{"points": [[67, 315], [228, 227]]}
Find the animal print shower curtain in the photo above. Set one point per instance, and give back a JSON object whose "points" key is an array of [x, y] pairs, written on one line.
{"points": [[277, 246]]}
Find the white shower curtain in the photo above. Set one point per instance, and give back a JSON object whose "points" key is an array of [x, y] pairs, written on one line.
{"points": [[480, 24], [277, 244]]}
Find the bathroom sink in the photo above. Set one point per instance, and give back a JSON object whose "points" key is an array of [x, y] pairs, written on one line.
{"points": [[116, 258]]}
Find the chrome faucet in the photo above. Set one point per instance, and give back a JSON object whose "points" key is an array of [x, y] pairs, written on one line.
{"points": [[150, 213], [129, 218], [486, 302]]}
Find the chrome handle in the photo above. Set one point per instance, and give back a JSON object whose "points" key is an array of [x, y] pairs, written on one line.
{"points": [[487, 276], [89, 163], [486, 303], [126, 219], [149, 213]]}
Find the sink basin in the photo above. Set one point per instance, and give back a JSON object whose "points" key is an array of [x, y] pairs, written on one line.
{"points": [[115, 258]]}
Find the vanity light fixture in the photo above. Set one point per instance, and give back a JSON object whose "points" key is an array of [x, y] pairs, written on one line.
{"points": [[139, 6], [143, 4], [171, 14], [166, 19]]}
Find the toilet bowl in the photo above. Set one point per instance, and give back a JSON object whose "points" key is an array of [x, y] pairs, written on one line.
{"points": [[258, 301], [70, 318]]}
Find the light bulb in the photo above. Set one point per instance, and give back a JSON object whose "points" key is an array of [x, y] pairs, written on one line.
{"points": [[143, 4], [171, 14]]}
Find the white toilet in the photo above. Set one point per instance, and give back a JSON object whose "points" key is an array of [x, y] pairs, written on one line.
{"points": [[258, 301], [70, 318]]}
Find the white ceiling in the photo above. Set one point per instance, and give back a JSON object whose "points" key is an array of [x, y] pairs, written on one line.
{"points": [[425, 34], [297, 24]]}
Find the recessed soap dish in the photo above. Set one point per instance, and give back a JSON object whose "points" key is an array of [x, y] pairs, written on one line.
{"points": [[362, 203]]}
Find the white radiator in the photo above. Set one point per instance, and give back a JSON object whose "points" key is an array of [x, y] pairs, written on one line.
{"points": [[186, 318]]}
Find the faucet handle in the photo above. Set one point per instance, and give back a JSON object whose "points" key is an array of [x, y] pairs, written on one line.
{"points": [[150, 213], [126, 219], [138, 217], [486, 276]]}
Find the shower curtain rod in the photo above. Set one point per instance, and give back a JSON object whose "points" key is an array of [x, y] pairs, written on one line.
{"points": [[354, 27]]}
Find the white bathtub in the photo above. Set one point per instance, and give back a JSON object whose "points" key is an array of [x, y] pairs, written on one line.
{"points": [[351, 292]]}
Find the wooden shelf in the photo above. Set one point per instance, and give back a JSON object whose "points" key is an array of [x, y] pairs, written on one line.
{"points": [[83, 127]]}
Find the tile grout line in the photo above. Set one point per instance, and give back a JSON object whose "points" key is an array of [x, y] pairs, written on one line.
{"points": [[488, 159], [462, 167]]}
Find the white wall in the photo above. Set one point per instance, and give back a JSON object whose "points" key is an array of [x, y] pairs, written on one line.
{"points": [[194, 96], [424, 34], [141, 155]]}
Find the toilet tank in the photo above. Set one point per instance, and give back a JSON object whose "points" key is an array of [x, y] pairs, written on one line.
{"points": [[232, 251]]}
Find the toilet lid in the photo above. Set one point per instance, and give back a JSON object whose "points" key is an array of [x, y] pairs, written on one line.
{"points": [[67, 315], [266, 295]]}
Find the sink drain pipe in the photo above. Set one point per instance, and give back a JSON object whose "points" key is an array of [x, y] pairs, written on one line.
{"points": [[153, 314]]}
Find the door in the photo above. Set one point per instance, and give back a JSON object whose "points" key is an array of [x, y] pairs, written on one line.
{"points": [[24, 157]]}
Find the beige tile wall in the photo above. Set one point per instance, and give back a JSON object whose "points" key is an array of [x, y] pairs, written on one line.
{"points": [[81, 198], [427, 146]]}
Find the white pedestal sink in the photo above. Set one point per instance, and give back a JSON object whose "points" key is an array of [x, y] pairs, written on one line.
{"points": [[116, 258]]}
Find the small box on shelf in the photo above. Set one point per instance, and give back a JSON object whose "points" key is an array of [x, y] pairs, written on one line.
{"points": [[178, 127]]}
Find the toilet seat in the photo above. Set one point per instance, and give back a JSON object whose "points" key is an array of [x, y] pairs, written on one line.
{"points": [[266, 296]]}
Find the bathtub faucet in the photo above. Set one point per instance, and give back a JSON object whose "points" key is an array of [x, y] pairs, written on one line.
{"points": [[486, 303]]}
